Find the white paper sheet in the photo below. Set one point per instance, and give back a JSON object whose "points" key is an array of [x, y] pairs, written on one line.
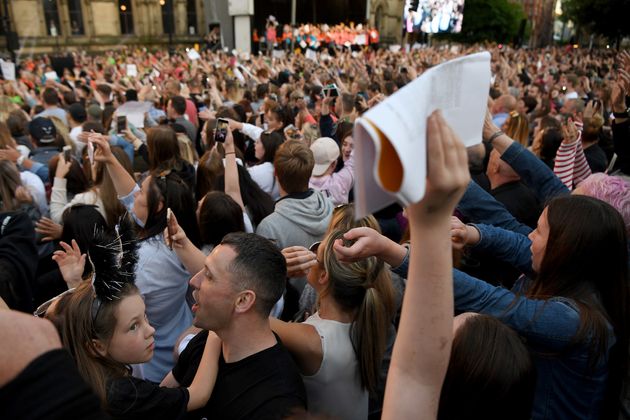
{"points": [[132, 70], [8, 70], [134, 111], [459, 88], [311, 54], [193, 54]]}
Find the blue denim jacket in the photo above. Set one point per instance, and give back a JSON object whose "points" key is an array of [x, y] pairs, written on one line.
{"points": [[565, 389], [480, 207]]}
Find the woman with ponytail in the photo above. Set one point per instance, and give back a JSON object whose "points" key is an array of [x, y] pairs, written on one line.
{"points": [[339, 349]]}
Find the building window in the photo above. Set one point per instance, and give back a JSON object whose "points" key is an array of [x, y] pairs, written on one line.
{"points": [[168, 23], [76, 17], [51, 16], [191, 17], [125, 11]]}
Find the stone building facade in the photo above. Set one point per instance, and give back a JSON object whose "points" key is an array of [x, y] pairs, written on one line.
{"points": [[49, 25]]}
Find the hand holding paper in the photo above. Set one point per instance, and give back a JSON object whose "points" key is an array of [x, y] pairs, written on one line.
{"points": [[391, 138]]}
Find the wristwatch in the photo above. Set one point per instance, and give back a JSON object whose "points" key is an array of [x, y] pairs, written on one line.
{"points": [[20, 160], [623, 114]]}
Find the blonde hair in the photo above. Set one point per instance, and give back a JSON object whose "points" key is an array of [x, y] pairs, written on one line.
{"points": [[6, 107], [517, 128], [365, 288]]}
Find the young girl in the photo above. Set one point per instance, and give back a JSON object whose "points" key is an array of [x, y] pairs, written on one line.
{"points": [[106, 329], [160, 277]]}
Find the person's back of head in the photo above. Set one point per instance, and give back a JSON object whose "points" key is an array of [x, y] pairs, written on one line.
{"points": [[43, 131], [491, 374], [294, 164], [163, 148], [258, 266], [364, 288], [50, 96], [592, 128], [18, 123], [271, 142], [178, 103], [76, 180], [517, 128], [219, 215], [614, 190]]}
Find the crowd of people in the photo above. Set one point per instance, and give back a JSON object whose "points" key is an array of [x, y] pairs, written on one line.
{"points": [[314, 37], [185, 223]]}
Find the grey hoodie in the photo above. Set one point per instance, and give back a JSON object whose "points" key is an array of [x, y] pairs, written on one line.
{"points": [[297, 221]]}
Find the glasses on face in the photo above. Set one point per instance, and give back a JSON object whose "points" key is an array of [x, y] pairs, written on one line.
{"points": [[41, 309]]}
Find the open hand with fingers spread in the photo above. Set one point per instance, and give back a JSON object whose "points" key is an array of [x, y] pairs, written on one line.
{"points": [[71, 263]]}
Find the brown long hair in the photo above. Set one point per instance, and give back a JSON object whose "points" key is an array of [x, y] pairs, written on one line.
{"points": [[9, 182], [79, 329], [163, 149], [490, 374], [365, 287], [586, 260]]}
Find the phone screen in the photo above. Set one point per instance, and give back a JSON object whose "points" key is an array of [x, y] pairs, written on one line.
{"points": [[67, 153], [220, 133], [121, 123]]}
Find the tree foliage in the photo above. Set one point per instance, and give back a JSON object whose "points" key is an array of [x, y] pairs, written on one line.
{"points": [[609, 18], [490, 20]]}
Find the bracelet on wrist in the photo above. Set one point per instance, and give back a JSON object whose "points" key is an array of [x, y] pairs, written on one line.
{"points": [[494, 136], [230, 153]]}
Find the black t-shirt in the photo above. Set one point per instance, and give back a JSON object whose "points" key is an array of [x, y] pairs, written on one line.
{"points": [[49, 388], [265, 385], [133, 398]]}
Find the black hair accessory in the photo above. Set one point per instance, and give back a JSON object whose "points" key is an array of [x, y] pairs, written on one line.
{"points": [[113, 259]]}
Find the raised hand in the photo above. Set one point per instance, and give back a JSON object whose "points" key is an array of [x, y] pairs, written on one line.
{"points": [[299, 260], [447, 172], [71, 263], [63, 167], [569, 132], [48, 228], [174, 235]]}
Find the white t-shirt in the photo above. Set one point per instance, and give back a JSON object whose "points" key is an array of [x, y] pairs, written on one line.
{"points": [[264, 176], [35, 186]]}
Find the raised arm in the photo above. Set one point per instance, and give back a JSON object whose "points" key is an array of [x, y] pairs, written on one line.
{"points": [[532, 170], [232, 185], [123, 182], [422, 348]]}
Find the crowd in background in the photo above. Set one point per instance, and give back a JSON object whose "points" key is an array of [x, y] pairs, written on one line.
{"points": [[185, 220]]}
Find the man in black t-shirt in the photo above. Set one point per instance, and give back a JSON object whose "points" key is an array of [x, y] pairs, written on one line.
{"points": [[242, 279]]}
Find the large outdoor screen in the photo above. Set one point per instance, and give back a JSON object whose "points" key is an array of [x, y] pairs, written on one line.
{"points": [[433, 16]]}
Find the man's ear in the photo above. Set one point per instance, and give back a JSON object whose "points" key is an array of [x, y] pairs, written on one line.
{"points": [[99, 347], [244, 301]]}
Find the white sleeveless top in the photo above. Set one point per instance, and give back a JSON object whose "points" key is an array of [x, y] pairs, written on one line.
{"points": [[335, 390]]}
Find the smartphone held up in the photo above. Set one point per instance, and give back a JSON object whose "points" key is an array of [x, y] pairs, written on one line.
{"points": [[220, 132]]}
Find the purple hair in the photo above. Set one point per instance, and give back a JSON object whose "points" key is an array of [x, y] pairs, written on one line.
{"points": [[613, 190]]}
